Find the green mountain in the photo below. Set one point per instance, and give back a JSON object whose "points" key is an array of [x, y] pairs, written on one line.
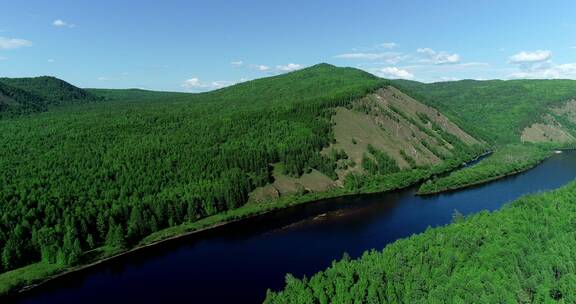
{"points": [[133, 95], [515, 255], [34, 95], [106, 175], [503, 112], [517, 118], [86, 180], [14, 101]]}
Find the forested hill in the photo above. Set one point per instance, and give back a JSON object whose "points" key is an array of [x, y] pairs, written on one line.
{"points": [[105, 175], [503, 112], [33, 95], [110, 173], [14, 101], [136, 95]]}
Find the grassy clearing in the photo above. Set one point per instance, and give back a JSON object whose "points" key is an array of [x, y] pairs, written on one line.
{"points": [[410, 132], [27, 275], [550, 131]]}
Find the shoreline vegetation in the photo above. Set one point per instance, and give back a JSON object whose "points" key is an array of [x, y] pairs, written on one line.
{"points": [[25, 279], [505, 161], [22, 280], [520, 253], [19, 281]]}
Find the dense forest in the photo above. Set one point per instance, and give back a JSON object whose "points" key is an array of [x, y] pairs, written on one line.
{"points": [[523, 253], [19, 96], [520, 254], [107, 174], [80, 176], [14, 102], [496, 110]]}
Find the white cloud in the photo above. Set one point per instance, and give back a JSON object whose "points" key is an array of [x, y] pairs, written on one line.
{"points": [[195, 84], [431, 56], [368, 56], [62, 23], [539, 65], [376, 47], [259, 67], [387, 57], [394, 72], [58, 22], [237, 63], [531, 57], [13, 43], [560, 71], [388, 45], [221, 84], [473, 64], [289, 67], [444, 78]]}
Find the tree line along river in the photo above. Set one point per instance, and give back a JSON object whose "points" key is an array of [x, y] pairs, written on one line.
{"points": [[237, 263]]}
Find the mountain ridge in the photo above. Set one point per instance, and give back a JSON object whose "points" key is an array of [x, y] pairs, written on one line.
{"points": [[153, 167], [37, 94]]}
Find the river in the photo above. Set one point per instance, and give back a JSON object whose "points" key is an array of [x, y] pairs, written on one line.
{"points": [[238, 262]]}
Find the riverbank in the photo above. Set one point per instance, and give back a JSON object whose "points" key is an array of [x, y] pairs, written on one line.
{"points": [[490, 253], [248, 257], [505, 161], [26, 278]]}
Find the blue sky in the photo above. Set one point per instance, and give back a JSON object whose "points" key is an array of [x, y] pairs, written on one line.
{"points": [[202, 45]]}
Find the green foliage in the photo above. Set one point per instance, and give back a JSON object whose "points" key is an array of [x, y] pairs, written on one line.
{"points": [[382, 163], [505, 160], [521, 254], [495, 110], [14, 101], [408, 159], [53, 90], [134, 95], [34, 273], [373, 183], [33, 95], [111, 173]]}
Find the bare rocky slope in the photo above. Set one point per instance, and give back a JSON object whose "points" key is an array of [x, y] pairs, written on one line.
{"points": [[410, 132]]}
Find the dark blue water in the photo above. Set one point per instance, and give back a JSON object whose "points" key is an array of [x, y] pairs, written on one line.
{"points": [[237, 263]]}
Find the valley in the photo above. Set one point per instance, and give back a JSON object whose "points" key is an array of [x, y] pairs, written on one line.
{"points": [[287, 152], [92, 174]]}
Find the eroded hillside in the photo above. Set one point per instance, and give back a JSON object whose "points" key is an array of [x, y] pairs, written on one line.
{"points": [[502, 112], [385, 124], [556, 126]]}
